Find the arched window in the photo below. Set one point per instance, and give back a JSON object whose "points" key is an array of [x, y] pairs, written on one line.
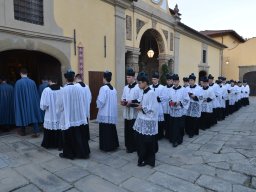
{"points": [[30, 11]]}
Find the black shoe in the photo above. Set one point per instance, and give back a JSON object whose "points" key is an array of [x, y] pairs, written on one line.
{"points": [[61, 155], [22, 132], [129, 151], [190, 136], [175, 144], [142, 164]]}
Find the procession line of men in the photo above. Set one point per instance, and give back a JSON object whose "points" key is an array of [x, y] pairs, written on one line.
{"points": [[151, 112]]}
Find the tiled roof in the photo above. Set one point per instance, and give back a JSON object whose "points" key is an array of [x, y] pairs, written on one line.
{"points": [[218, 33]]}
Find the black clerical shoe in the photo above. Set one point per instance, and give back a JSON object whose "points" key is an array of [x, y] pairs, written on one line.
{"points": [[175, 144], [142, 164], [61, 155], [35, 135], [190, 136], [129, 151], [22, 132]]}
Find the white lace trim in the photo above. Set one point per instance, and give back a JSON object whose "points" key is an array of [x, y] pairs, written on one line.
{"points": [[207, 107], [52, 125], [194, 110], [146, 127], [161, 117], [73, 124], [107, 119]]}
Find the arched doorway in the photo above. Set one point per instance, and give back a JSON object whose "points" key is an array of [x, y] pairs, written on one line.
{"points": [[151, 39], [37, 63], [250, 77]]}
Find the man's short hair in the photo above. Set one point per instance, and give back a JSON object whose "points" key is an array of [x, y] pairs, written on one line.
{"points": [[24, 71]]}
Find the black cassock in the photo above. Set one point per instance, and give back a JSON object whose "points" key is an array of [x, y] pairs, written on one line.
{"points": [[74, 143]]}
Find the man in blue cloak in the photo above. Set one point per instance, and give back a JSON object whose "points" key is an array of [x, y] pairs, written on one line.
{"points": [[6, 105], [26, 104]]}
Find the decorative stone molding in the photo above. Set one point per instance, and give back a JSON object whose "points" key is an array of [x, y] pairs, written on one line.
{"points": [[154, 23], [132, 60], [159, 40], [165, 32], [171, 41], [128, 27], [139, 25]]}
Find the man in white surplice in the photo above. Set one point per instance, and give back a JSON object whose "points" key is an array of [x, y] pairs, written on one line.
{"points": [[131, 97], [72, 105], [246, 93], [159, 91], [146, 124], [85, 88], [215, 101], [107, 115], [52, 133], [179, 102], [207, 105], [195, 108]]}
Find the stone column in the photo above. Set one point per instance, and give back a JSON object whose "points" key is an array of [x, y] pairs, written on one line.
{"points": [[176, 52], [132, 59], [164, 59], [120, 25]]}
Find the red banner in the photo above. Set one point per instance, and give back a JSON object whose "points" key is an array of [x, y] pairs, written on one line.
{"points": [[81, 60]]}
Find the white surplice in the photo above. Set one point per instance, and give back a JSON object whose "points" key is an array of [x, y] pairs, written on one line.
{"points": [[215, 87], [233, 95], [208, 96], [147, 120], [131, 93], [159, 91], [107, 105], [223, 95], [246, 91], [195, 107], [180, 96], [48, 103], [165, 99], [72, 105], [85, 88]]}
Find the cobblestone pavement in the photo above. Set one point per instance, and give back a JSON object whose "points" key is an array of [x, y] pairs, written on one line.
{"points": [[220, 159]]}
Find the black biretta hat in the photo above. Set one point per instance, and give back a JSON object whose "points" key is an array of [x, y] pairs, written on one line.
{"points": [[210, 76], [155, 75], [107, 74], [130, 72], [142, 76], [205, 79], [169, 76], [185, 79], [69, 74], [192, 76], [176, 77]]}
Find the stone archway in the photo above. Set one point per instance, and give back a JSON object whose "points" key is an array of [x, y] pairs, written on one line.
{"points": [[58, 48], [37, 63], [152, 39]]}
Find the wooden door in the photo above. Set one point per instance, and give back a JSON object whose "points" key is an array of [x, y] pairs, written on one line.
{"points": [[250, 77], [95, 82]]}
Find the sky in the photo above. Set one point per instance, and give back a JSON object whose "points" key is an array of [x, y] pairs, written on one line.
{"points": [[238, 15]]}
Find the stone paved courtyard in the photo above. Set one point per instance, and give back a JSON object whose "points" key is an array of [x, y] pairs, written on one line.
{"points": [[220, 159]]}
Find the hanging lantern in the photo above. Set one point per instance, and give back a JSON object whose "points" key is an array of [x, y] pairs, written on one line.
{"points": [[150, 53]]}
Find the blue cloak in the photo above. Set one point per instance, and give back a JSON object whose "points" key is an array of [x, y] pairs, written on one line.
{"points": [[6, 104], [41, 88], [40, 91], [26, 102]]}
